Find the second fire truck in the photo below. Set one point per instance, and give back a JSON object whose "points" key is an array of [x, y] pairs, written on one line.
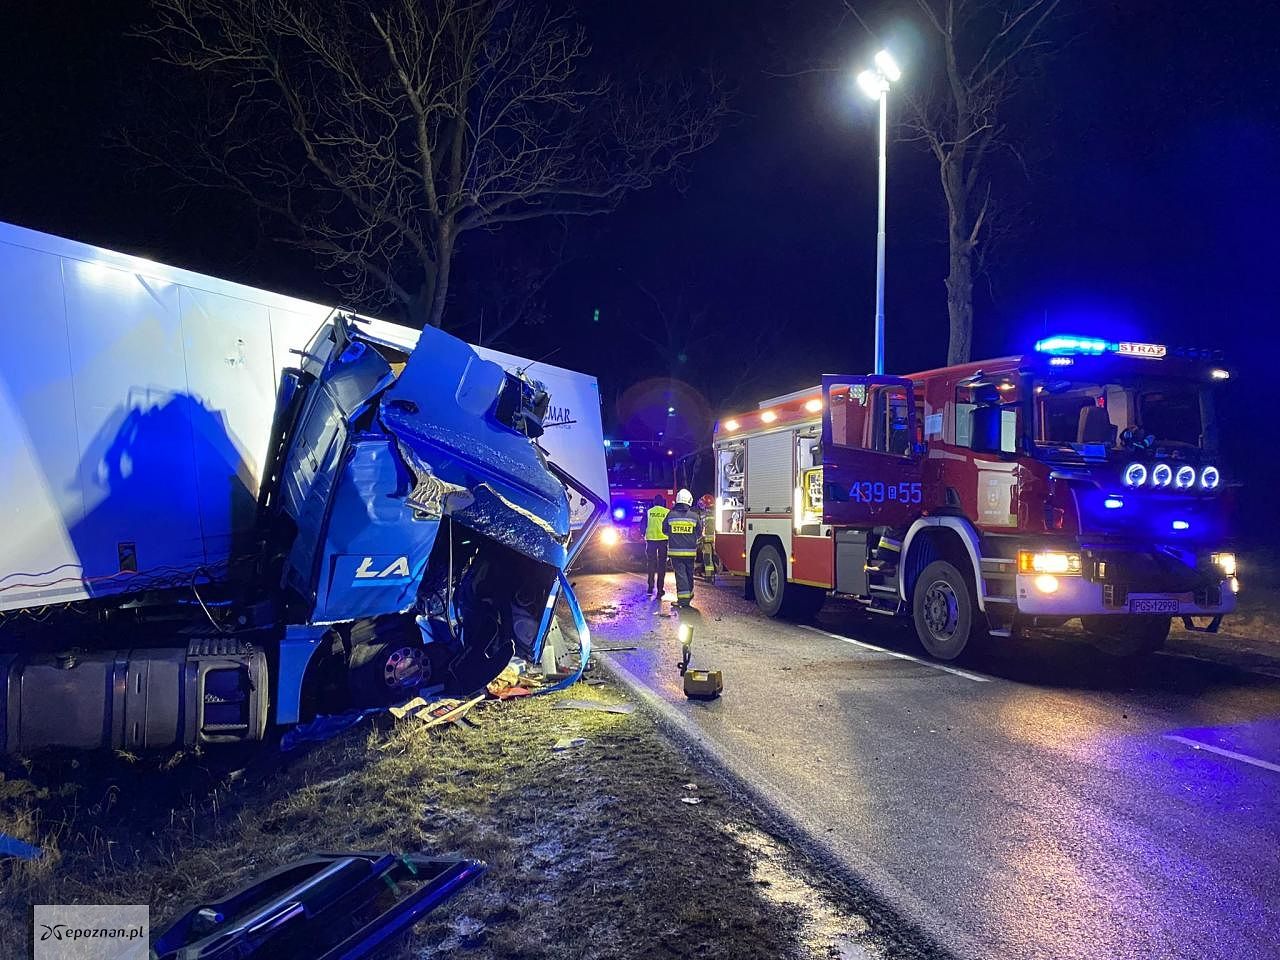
{"points": [[1080, 479]]}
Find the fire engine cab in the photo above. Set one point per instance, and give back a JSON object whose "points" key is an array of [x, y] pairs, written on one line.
{"points": [[1078, 480]]}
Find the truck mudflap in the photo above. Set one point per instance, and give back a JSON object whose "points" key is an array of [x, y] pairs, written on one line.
{"points": [[333, 906]]}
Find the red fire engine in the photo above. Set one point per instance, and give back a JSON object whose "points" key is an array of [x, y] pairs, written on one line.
{"points": [[1078, 480], [639, 470]]}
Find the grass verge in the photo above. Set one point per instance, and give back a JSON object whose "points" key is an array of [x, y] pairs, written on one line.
{"points": [[592, 852]]}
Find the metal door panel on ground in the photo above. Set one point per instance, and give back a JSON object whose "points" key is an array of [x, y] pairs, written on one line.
{"points": [[134, 417], [872, 474]]}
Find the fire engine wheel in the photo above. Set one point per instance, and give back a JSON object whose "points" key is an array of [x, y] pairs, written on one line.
{"points": [[386, 662], [944, 610], [774, 595], [1127, 635]]}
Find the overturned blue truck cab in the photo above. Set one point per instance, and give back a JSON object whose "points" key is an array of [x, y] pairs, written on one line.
{"points": [[410, 534]]}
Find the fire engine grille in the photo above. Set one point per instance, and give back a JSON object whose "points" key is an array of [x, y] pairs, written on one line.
{"points": [[1145, 572]]}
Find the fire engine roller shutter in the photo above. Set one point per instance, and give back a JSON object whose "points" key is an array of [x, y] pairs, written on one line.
{"points": [[769, 484]]}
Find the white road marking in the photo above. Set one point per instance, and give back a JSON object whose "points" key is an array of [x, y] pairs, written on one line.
{"points": [[901, 656], [893, 653], [1224, 752]]}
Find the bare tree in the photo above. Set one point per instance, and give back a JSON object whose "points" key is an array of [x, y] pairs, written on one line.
{"points": [[987, 51], [378, 134], [988, 48]]}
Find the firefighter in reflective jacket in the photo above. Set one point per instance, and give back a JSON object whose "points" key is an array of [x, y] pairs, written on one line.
{"points": [[683, 527], [706, 564], [655, 546]]}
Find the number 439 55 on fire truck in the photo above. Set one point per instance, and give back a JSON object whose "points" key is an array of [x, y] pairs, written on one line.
{"points": [[1078, 480]]}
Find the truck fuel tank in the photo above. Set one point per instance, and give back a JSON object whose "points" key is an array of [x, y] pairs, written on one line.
{"points": [[214, 690]]}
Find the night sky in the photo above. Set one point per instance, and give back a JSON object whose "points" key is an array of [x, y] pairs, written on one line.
{"points": [[1151, 209]]}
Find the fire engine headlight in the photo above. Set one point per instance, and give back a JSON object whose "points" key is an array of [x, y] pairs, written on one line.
{"points": [[1047, 583], [1161, 475], [1210, 478], [1049, 562], [1135, 475], [609, 536], [1226, 562], [1185, 478]]}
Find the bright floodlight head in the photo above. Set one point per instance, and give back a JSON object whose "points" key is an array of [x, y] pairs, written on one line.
{"points": [[871, 84], [888, 66]]}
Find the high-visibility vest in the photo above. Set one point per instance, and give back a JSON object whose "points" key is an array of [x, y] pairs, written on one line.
{"points": [[653, 523]]}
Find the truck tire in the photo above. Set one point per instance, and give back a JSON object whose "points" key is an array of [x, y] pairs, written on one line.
{"points": [[387, 661], [1127, 635], [944, 609], [769, 580]]}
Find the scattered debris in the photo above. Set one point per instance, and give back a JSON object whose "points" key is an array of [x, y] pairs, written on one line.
{"points": [[323, 727], [13, 847], [445, 710], [614, 649], [691, 786], [691, 800], [336, 905], [569, 743], [598, 706], [511, 693]]}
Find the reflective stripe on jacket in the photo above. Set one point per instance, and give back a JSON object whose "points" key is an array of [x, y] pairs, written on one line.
{"points": [[653, 523], [683, 527]]}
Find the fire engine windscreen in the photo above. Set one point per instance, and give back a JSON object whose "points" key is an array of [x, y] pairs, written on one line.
{"points": [[640, 464], [1075, 413]]}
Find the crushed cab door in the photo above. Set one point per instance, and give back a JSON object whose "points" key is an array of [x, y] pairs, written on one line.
{"points": [[871, 452]]}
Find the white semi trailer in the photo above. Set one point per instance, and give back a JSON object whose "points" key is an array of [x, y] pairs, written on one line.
{"points": [[155, 470]]}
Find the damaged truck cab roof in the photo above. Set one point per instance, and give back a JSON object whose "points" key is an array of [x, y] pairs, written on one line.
{"points": [[444, 411]]}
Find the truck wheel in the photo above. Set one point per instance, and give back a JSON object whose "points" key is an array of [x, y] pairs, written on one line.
{"points": [[1127, 635], [944, 610], [769, 578], [387, 662]]}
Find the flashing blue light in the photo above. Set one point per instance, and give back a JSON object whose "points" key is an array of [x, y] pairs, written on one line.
{"points": [[619, 513], [1181, 525], [1060, 361], [607, 442], [1113, 503], [1066, 346]]}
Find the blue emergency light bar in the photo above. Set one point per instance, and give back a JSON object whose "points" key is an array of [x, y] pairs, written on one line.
{"points": [[1061, 347]]}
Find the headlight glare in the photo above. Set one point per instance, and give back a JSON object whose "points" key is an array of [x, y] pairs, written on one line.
{"points": [[1048, 561]]}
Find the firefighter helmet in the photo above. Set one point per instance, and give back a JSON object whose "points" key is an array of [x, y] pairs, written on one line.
{"points": [[685, 497]]}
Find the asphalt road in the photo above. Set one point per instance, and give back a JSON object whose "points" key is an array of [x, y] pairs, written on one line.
{"points": [[1039, 801]]}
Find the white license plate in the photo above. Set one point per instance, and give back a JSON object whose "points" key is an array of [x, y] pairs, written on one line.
{"points": [[1152, 605]]}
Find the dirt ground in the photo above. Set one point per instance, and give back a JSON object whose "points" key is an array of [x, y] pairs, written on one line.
{"points": [[592, 852]]}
